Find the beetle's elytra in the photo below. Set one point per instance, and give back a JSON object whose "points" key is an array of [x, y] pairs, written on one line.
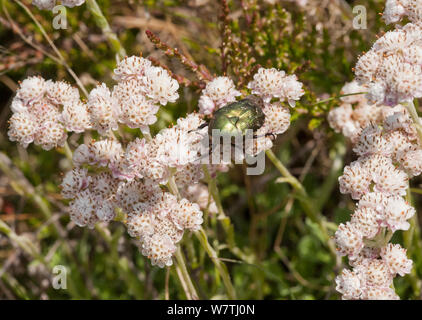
{"points": [[237, 117]]}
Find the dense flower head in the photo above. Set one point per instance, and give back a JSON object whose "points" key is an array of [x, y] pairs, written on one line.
{"points": [[217, 93], [103, 109], [396, 260], [159, 86], [273, 83], [349, 239], [132, 67], [395, 10], [136, 110], [392, 69], [49, 4], [355, 180]]}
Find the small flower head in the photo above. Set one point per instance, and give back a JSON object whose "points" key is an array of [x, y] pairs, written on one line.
{"points": [[355, 180], [75, 181], [159, 249], [349, 284], [273, 83], [395, 258], [103, 109], [31, 90], [159, 86], [218, 92], [349, 240], [22, 128], [396, 213], [131, 68]]}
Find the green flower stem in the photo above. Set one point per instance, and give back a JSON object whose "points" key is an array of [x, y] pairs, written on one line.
{"points": [[411, 239], [60, 57], [102, 23], [202, 237], [180, 260], [68, 152], [221, 267], [308, 206], [225, 220], [410, 106]]}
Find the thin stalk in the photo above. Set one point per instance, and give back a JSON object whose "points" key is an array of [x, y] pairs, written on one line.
{"points": [[225, 220], [410, 106], [308, 206], [221, 267], [102, 23], [202, 237], [337, 97], [180, 260], [51, 43]]}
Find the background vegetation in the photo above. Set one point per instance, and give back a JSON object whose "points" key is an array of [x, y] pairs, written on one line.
{"points": [[271, 247]]}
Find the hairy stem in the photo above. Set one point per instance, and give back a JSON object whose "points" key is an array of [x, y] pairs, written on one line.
{"points": [[102, 23], [309, 207], [221, 267]]}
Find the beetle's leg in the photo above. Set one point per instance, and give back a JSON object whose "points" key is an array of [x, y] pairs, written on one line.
{"points": [[200, 127]]}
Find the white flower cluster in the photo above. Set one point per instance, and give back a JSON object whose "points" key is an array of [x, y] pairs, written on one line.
{"points": [[50, 4], [269, 84], [135, 100], [392, 69], [389, 154], [300, 3], [272, 84], [109, 176], [132, 182], [44, 110], [395, 10]]}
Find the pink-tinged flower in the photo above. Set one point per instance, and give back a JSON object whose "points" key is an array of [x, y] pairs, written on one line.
{"points": [[136, 110], [22, 128], [395, 258], [374, 200], [187, 215], [61, 93], [372, 142], [273, 83], [381, 293], [411, 161], [391, 181], [31, 90], [349, 240], [130, 193], [75, 117], [396, 213], [355, 180], [159, 86], [50, 135], [82, 209], [366, 220], [218, 92], [349, 284], [377, 273], [159, 249], [277, 118], [103, 109], [44, 4], [74, 182], [131, 68]]}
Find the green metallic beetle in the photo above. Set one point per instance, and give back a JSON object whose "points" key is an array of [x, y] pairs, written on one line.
{"points": [[237, 117]]}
